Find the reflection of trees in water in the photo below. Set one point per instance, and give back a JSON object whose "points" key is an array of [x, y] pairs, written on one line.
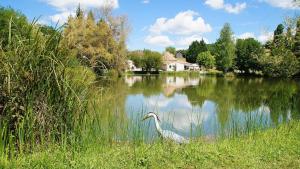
{"points": [[230, 94], [108, 108], [279, 98], [296, 105], [148, 86], [247, 95]]}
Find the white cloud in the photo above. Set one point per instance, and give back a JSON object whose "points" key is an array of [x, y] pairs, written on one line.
{"points": [[246, 35], [61, 17], [68, 7], [230, 8], [285, 4], [184, 23], [216, 4], [159, 40], [265, 36], [146, 1], [181, 42], [235, 9], [186, 41]]}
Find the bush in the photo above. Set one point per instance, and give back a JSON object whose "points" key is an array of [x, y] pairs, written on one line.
{"points": [[282, 64], [152, 60], [206, 59]]}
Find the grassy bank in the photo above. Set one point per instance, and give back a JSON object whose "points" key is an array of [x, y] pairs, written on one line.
{"points": [[274, 148]]}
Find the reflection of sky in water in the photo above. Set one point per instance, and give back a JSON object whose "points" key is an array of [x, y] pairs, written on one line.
{"points": [[178, 114]]}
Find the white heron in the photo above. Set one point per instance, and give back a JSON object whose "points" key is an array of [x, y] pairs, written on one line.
{"points": [[166, 134]]}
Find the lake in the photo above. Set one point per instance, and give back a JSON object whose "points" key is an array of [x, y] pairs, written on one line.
{"points": [[195, 106]]}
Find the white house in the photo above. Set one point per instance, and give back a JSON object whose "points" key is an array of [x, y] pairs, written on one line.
{"points": [[192, 66], [132, 67], [170, 63]]}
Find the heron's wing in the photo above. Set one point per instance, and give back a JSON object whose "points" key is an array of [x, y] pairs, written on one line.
{"points": [[173, 136]]}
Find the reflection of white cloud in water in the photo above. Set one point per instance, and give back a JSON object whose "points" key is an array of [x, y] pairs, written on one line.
{"points": [[178, 111], [131, 80], [261, 116]]}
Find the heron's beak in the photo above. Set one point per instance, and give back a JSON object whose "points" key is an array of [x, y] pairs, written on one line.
{"points": [[145, 117]]}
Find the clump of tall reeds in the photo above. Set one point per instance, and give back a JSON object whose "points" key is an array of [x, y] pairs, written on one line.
{"points": [[40, 101]]}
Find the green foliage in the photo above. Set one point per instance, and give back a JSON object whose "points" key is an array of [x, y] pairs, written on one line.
{"points": [[147, 60], [194, 49], [206, 59], [136, 57], [297, 40], [279, 60], [183, 52], [225, 49], [280, 63], [11, 23], [289, 41], [43, 90], [248, 52], [279, 35], [171, 49], [152, 60]]}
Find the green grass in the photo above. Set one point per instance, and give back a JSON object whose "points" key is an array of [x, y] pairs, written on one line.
{"points": [[273, 148]]}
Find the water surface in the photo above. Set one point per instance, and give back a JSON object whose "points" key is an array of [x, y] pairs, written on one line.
{"points": [[196, 106]]}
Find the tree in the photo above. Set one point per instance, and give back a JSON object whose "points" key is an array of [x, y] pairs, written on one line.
{"points": [[225, 49], [136, 57], [248, 52], [297, 40], [100, 45], [194, 49], [183, 52], [206, 59], [151, 60], [289, 40], [171, 49], [278, 35], [279, 60], [79, 12], [282, 63]]}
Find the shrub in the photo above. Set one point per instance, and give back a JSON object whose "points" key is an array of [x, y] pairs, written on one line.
{"points": [[206, 59]]}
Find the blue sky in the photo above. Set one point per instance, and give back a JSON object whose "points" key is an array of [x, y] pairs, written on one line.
{"points": [[159, 23]]}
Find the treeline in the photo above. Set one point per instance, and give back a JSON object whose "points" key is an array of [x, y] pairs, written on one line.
{"points": [[278, 57]]}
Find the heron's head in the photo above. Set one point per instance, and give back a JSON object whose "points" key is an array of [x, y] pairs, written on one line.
{"points": [[151, 114]]}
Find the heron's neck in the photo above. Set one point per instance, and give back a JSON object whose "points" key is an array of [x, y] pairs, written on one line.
{"points": [[157, 125]]}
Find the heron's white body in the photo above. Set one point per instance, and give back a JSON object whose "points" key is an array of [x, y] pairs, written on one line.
{"points": [[166, 134]]}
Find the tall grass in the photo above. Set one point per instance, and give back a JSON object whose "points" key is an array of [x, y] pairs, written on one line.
{"points": [[41, 102]]}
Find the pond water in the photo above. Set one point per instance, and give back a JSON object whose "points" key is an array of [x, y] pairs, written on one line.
{"points": [[196, 106]]}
